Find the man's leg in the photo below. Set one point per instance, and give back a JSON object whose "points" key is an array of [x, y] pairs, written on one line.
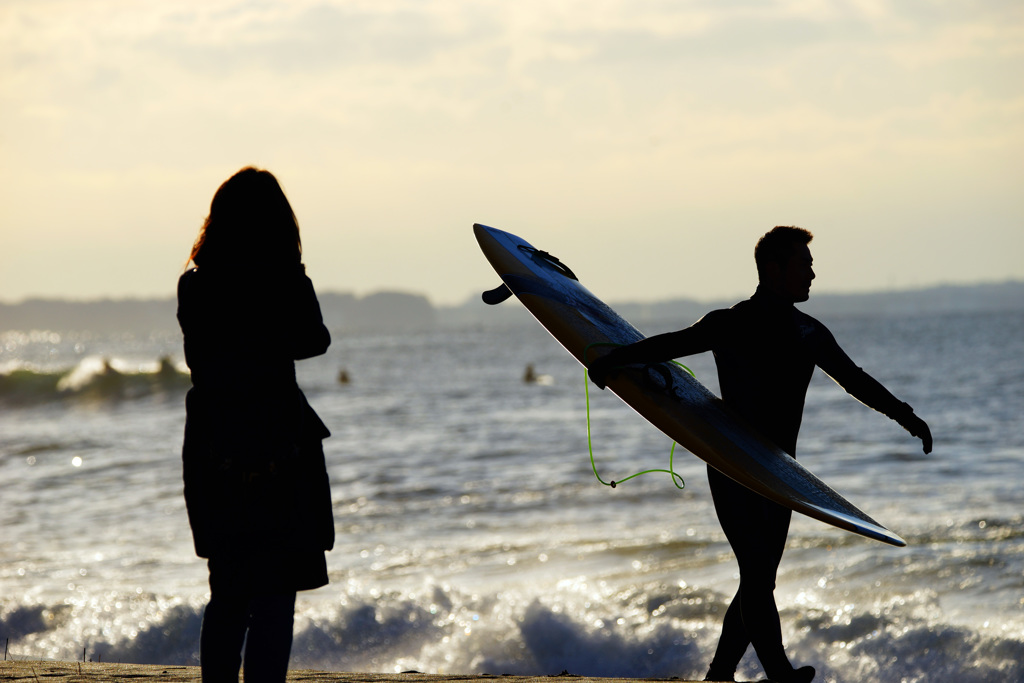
{"points": [[732, 644], [757, 529]]}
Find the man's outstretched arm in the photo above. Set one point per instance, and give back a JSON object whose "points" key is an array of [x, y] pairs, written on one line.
{"points": [[869, 391]]}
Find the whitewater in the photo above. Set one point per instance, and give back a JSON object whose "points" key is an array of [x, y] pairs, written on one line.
{"points": [[473, 536]]}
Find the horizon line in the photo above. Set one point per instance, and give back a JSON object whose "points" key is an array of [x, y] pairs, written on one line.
{"points": [[472, 296]]}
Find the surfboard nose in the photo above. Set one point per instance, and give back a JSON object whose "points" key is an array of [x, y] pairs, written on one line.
{"points": [[484, 232]]}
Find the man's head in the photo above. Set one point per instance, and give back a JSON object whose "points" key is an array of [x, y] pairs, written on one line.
{"points": [[784, 262]]}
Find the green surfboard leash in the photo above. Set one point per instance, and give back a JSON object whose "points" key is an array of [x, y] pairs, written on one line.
{"points": [[676, 478]]}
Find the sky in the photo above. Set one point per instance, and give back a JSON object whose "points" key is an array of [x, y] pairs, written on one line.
{"points": [[647, 143]]}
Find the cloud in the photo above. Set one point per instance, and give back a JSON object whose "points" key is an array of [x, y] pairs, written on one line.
{"points": [[425, 113], [458, 58]]}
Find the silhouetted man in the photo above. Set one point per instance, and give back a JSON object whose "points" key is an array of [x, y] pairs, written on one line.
{"points": [[765, 350]]}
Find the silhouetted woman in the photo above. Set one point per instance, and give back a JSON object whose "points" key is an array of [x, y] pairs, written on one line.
{"points": [[256, 486]]}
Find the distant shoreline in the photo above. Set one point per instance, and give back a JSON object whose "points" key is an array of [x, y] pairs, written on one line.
{"points": [[73, 672], [400, 311]]}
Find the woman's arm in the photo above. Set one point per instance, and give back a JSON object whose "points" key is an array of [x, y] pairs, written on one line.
{"points": [[311, 337]]}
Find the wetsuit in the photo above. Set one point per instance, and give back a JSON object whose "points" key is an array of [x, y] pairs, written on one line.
{"points": [[765, 351]]}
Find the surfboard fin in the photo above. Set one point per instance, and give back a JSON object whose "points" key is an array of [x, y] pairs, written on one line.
{"points": [[495, 296]]}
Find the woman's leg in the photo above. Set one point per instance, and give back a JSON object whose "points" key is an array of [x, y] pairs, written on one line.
{"points": [[269, 642], [221, 638]]}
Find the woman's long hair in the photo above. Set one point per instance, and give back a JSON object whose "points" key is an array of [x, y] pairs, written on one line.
{"points": [[251, 225]]}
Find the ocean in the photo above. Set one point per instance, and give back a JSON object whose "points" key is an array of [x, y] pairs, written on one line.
{"points": [[473, 536]]}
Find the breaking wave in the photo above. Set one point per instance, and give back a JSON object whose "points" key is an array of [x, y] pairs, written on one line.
{"points": [[653, 631], [94, 378]]}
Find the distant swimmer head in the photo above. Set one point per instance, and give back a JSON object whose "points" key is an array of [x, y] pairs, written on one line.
{"points": [[251, 224], [784, 262]]}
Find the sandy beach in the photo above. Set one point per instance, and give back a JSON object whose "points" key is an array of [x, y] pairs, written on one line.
{"points": [[72, 672]]}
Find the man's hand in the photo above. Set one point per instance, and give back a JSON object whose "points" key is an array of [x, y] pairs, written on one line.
{"points": [[599, 371], [917, 427]]}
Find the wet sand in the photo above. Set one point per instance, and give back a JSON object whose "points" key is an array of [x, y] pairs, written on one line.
{"points": [[73, 672]]}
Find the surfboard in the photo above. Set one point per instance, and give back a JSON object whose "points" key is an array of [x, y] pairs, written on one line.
{"points": [[663, 394]]}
